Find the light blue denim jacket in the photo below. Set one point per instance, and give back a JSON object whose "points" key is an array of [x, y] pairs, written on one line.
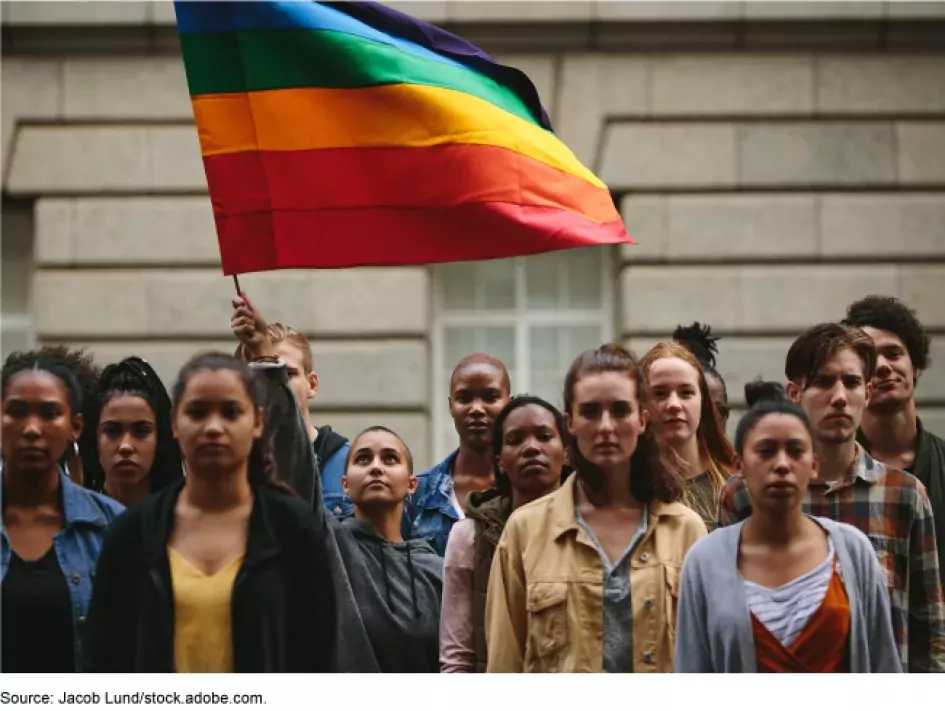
{"points": [[430, 514], [86, 515]]}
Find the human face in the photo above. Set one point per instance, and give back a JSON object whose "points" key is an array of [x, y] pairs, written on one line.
{"points": [[378, 473], [127, 439], [717, 393], [303, 385], [216, 423], [531, 453], [676, 400], [606, 420], [478, 394], [778, 463], [895, 376], [835, 397], [38, 423]]}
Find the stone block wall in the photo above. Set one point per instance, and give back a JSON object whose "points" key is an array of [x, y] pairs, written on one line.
{"points": [[770, 180]]}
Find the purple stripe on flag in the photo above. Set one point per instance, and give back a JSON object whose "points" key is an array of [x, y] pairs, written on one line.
{"points": [[394, 22]]}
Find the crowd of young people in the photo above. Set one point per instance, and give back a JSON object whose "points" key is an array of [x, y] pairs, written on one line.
{"points": [[623, 533]]}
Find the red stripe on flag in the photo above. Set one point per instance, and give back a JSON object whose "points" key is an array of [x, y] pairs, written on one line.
{"points": [[436, 176], [398, 236]]}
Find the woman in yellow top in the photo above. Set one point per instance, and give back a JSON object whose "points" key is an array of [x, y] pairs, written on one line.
{"points": [[586, 579], [223, 572]]}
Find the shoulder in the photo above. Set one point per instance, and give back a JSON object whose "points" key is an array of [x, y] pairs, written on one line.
{"points": [[903, 488], [733, 486], [847, 536], [680, 523], [852, 545], [338, 457], [720, 545], [126, 535], [423, 553], [289, 515], [463, 533], [430, 479], [678, 514], [108, 506], [534, 513], [293, 508]]}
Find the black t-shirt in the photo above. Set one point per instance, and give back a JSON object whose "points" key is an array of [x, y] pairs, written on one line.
{"points": [[36, 617]]}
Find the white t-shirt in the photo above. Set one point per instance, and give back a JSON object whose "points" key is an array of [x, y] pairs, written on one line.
{"points": [[786, 610]]}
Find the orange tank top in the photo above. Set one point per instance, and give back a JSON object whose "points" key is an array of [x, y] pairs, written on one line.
{"points": [[820, 648]]}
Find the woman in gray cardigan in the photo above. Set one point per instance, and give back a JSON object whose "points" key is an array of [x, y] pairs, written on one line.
{"points": [[782, 591]]}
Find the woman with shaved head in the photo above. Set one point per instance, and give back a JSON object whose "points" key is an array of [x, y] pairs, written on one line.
{"points": [[479, 389]]}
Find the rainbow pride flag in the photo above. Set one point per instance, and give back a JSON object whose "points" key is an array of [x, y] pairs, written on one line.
{"points": [[349, 134]]}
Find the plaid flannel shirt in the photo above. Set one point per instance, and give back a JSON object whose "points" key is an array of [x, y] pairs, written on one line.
{"points": [[893, 510]]}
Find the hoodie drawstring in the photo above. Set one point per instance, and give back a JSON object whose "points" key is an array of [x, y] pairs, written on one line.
{"points": [[413, 584], [380, 552]]}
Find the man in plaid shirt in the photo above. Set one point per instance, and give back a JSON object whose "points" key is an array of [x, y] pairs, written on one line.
{"points": [[829, 368]]}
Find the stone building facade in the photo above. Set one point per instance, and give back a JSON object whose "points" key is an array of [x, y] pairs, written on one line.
{"points": [[775, 161]]}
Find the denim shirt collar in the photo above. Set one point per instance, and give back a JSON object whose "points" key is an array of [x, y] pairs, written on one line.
{"points": [[78, 506], [438, 491]]}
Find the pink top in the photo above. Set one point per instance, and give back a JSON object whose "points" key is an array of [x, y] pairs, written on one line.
{"points": [[457, 650]]}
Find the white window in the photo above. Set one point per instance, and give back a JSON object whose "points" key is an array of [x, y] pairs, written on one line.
{"points": [[533, 313], [16, 279]]}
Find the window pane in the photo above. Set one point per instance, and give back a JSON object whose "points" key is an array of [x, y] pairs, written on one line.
{"points": [[584, 278], [458, 283], [578, 339], [460, 341], [544, 346], [551, 351], [548, 384], [542, 280], [496, 284], [499, 341]]}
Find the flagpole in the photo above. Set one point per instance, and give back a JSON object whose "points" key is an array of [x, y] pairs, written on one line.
{"points": [[236, 282]]}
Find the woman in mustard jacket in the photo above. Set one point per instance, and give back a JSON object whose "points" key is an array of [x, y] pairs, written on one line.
{"points": [[586, 579]]}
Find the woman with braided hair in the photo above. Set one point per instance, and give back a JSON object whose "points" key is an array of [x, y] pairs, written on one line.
{"points": [[699, 341], [226, 570], [128, 449]]}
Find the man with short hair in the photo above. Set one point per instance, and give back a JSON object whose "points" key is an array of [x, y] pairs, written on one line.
{"points": [[829, 368], [260, 340], [479, 389], [891, 430]]}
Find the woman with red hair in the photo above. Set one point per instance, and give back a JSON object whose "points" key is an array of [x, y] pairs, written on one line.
{"points": [[687, 426]]}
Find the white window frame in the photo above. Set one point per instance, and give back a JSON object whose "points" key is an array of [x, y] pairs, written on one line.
{"points": [[522, 319]]}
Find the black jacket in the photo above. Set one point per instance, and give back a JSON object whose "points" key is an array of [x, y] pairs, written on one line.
{"points": [[282, 608]]}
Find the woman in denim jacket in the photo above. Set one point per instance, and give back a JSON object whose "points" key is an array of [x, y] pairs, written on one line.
{"points": [[52, 530]]}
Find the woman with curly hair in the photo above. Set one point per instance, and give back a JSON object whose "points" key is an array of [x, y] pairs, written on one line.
{"points": [[127, 447]]}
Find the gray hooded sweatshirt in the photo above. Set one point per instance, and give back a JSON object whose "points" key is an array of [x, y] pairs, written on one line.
{"points": [[387, 595], [713, 629], [398, 588]]}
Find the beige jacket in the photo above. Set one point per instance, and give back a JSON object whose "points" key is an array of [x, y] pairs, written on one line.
{"points": [[544, 609]]}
